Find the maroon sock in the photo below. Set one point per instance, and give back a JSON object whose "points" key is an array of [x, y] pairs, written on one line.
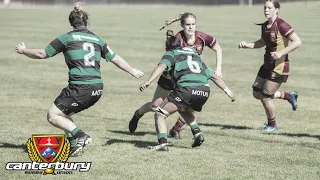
{"points": [[179, 124], [272, 122], [285, 96]]}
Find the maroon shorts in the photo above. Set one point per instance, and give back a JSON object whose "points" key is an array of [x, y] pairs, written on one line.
{"points": [[264, 73]]}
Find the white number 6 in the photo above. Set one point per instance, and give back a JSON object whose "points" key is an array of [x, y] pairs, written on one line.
{"points": [[193, 65]]}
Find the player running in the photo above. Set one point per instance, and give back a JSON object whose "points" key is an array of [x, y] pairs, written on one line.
{"points": [[82, 50], [276, 34]]}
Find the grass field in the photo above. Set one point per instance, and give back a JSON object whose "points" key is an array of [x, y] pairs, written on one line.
{"points": [[234, 147]]}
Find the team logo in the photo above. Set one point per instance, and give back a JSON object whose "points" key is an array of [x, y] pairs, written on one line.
{"points": [[273, 36], [48, 153], [48, 148]]}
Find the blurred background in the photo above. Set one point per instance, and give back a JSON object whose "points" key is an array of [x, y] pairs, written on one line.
{"points": [[117, 2]]}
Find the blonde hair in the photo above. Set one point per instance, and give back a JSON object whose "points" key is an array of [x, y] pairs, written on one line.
{"points": [[181, 18]]}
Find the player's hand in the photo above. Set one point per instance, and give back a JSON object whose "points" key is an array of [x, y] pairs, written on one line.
{"points": [[276, 55], [218, 73], [144, 85], [137, 73], [20, 47], [243, 44], [232, 97]]}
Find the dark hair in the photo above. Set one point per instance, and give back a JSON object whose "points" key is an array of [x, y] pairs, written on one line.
{"points": [[276, 3], [78, 17], [181, 17], [173, 42]]}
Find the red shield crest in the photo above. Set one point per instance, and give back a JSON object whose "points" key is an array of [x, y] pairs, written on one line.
{"points": [[48, 146]]}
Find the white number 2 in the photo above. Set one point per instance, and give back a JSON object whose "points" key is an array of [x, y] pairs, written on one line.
{"points": [[88, 46], [193, 65]]}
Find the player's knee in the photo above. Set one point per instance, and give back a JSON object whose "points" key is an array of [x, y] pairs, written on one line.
{"points": [[257, 93], [50, 118], [266, 94], [161, 112]]}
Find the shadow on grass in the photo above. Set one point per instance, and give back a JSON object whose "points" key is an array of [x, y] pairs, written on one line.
{"points": [[142, 144], [136, 143], [297, 135], [226, 126], [14, 146], [135, 133]]}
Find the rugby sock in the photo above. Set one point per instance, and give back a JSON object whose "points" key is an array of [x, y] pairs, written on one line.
{"points": [[179, 124], [285, 96], [195, 129], [162, 138], [272, 122], [137, 114], [71, 139], [76, 133]]}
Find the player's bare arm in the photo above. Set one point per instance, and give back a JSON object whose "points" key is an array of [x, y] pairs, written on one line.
{"points": [[295, 42], [122, 64], [31, 53], [156, 73], [222, 85], [254, 45], [218, 51]]}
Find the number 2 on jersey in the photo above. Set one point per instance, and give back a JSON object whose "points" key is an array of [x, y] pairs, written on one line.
{"points": [[193, 65], [88, 46]]}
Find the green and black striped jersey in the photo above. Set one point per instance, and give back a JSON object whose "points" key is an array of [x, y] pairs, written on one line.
{"points": [[186, 67], [82, 51]]}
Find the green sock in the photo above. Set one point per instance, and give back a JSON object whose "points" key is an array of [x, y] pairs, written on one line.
{"points": [[71, 139], [195, 129], [162, 138]]}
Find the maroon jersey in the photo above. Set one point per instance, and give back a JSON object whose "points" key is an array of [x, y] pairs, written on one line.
{"points": [[276, 39], [202, 40]]}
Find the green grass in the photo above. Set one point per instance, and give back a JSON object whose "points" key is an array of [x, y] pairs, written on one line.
{"points": [[234, 148]]}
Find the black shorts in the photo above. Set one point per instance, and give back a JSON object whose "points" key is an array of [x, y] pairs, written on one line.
{"points": [[189, 97], [165, 83], [271, 75], [76, 98]]}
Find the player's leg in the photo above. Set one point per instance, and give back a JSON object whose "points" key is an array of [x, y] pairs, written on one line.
{"points": [[62, 120], [291, 97], [195, 129], [161, 92], [162, 112], [74, 99], [175, 130], [269, 88], [71, 139]]}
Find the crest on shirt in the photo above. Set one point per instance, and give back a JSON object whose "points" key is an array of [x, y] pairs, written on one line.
{"points": [[273, 36]]}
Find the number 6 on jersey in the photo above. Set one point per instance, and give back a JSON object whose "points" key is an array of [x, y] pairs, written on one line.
{"points": [[193, 65]]}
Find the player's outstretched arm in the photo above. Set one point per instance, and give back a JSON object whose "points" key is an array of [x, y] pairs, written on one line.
{"points": [[257, 44], [122, 64], [31, 53], [157, 72], [222, 85], [218, 50]]}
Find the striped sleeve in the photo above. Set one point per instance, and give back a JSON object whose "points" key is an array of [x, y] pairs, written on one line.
{"points": [[209, 40], [107, 53], [168, 59], [57, 45], [285, 29]]}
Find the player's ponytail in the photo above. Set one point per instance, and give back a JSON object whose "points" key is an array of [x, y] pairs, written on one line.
{"points": [[168, 22], [78, 16], [182, 18]]}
